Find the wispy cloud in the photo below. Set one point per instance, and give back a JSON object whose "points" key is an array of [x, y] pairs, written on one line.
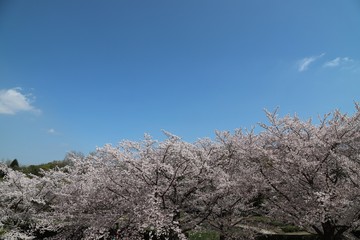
{"points": [[51, 131], [304, 63], [339, 61], [13, 101]]}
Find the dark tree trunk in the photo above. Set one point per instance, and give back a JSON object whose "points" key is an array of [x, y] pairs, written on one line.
{"points": [[222, 236], [330, 231]]}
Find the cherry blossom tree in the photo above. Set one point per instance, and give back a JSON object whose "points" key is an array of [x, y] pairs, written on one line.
{"points": [[88, 205], [313, 171], [308, 172], [239, 186], [24, 203], [139, 187], [155, 188]]}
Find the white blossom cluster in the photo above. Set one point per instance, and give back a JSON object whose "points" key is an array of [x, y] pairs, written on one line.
{"points": [[294, 171]]}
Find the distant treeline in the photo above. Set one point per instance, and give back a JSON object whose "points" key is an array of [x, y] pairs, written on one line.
{"points": [[35, 169]]}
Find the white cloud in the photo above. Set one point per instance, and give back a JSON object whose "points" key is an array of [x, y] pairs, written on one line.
{"points": [[304, 63], [51, 131], [337, 62], [13, 101]]}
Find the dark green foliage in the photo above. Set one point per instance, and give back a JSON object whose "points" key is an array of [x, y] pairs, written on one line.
{"points": [[287, 237], [14, 164], [212, 235], [290, 229], [208, 235], [170, 236], [35, 169], [32, 169]]}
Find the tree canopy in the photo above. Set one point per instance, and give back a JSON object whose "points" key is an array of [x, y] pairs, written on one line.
{"points": [[303, 173]]}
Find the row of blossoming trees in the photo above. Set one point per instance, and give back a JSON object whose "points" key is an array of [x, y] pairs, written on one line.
{"points": [[303, 173]]}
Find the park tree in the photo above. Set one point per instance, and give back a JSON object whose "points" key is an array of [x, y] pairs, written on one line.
{"points": [[24, 203], [239, 188], [152, 189], [140, 188], [313, 171], [14, 164]]}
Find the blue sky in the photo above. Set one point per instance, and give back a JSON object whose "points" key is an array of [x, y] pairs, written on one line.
{"points": [[79, 74]]}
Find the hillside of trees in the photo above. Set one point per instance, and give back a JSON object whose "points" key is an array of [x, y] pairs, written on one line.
{"points": [[34, 169]]}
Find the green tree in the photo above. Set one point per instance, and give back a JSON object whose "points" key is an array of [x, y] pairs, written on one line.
{"points": [[14, 164]]}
